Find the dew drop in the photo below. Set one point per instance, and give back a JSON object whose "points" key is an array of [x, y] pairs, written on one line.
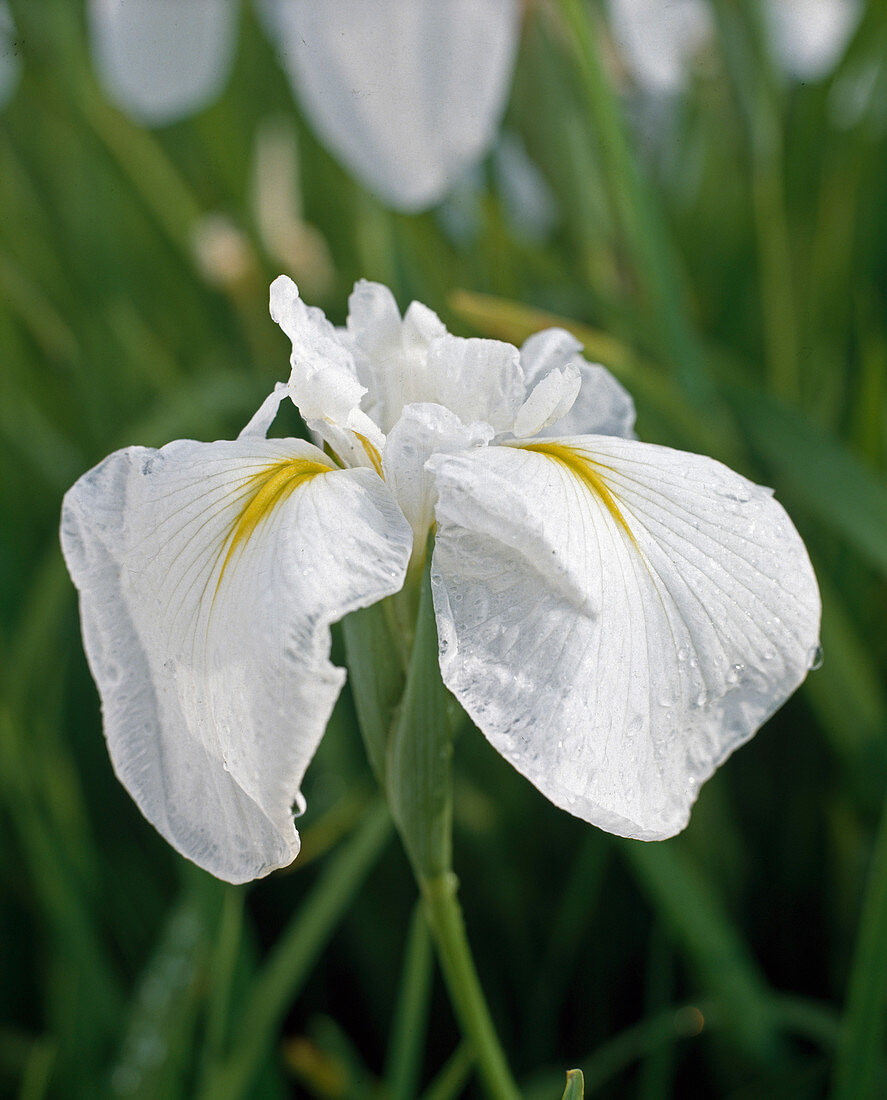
{"points": [[814, 658]]}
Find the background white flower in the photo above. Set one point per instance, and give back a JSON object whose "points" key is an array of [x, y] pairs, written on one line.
{"points": [[659, 39], [408, 94], [616, 617]]}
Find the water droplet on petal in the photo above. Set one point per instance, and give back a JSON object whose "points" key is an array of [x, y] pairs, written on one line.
{"points": [[814, 658]]}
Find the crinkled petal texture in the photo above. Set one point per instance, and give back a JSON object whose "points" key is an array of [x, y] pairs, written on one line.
{"points": [[160, 60], [209, 574], [617, 617], [407, 94]]}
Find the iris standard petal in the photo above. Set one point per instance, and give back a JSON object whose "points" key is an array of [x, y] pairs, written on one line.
{"points": [[407, 93], [323, 381], [617, 618], [209, 574], [421, 431], [160, 60], [603, 406]]}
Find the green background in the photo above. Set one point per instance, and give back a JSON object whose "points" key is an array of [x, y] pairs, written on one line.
{"points": [[733, 273]]}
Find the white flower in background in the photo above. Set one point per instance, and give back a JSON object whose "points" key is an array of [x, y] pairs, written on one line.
{"points": [[408, 94], [616, 617], [811, 35], [659, 39], [161, 60], [10, 62]]}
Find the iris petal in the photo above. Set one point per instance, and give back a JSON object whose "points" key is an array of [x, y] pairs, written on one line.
{"points": [[209, 574], [617, 618]]}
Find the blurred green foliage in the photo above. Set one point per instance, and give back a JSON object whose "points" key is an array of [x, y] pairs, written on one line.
{"points": [[727, 258]]}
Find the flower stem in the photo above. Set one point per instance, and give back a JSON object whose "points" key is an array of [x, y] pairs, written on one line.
{"points": [[445, 919]]}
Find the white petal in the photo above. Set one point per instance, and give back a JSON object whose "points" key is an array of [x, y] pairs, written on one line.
{"points": [[10, 62], [207, 628], [407, 93], [550, 399], [603, 407], [811, 35], [264, 416], [160, 60], [476, 379], [615, 663], [390, 354], [323, 383], [421, 431], [657, 40]]}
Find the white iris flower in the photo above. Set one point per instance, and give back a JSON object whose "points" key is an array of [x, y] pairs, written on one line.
{"points": [[616, 617], [408, 94]]}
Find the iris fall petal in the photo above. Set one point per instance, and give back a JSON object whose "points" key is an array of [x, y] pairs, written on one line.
{"points": [[617, 618], [209, 574]]}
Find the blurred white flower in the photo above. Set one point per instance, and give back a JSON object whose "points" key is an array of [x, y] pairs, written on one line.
{"points": [[616, 617], [408, 94], [659, 39], [160, 60], [10, 62], [811, 35]]}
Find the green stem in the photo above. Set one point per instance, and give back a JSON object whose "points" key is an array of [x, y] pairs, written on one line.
{"points": [[445, 919]]}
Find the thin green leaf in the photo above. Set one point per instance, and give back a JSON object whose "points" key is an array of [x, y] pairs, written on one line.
{"points": [[452, 1079], [860, 1064], [818, 472], [420, 752], [376, 677], [404, 1063], [155, 1056], [295, 954], [686, 902]]}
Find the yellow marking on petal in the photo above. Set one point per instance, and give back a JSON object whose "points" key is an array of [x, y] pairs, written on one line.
{"points": [[265, 490], [585, 469], [372, 453]]}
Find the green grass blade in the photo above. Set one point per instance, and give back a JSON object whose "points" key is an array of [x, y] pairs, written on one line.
{"points": [[819, 472], [296, 952], [452, 1079], [860, 1062], [687, 904], [404, 1064]]}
